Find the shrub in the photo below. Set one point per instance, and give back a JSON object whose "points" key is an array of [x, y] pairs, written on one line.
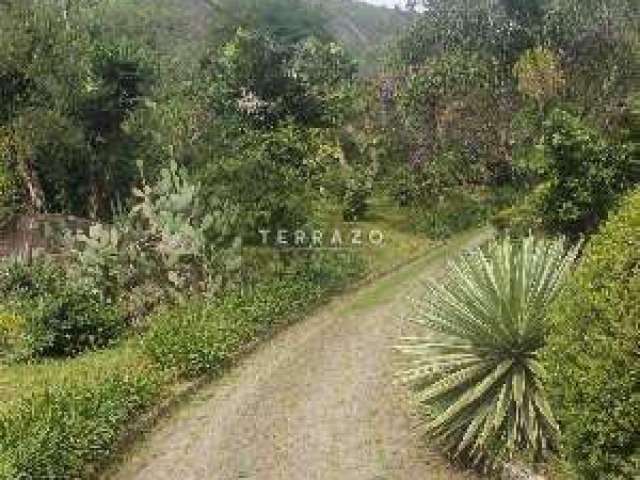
{"points": [[70, 320], [357, 191], [459, 211], [592, 353], [539, 75], [204, 336], [62, 317], [21, 279], [477, 370], [523, 218], [74, 420], [587, 175]]}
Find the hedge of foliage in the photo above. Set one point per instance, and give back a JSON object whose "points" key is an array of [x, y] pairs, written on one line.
{"points": [[201, 338], [592, 353], [76, 418]]}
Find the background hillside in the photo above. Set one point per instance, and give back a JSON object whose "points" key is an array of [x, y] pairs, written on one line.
{"points": [[362, 28]]}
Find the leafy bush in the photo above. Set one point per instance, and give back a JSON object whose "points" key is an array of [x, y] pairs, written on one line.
{"points": [[76, 419], [458, 211], [539, 75], [203, 337], [13, 343], [476, 369], [356, 193], [592, 353], [23, 280], [524, 217], [70, 320], [62, 317], [586, 173]]}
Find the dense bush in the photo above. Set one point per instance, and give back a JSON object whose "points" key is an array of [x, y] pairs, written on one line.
{"points": [[203, 337], [524, 217], [70, 320], [459, 211], [71, 414], [587, 175], [75, 420], [60, 316], [66, 93], [592, 353]]}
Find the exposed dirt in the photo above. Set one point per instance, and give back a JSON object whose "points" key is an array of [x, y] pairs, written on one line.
{"points": [[320, 401]]}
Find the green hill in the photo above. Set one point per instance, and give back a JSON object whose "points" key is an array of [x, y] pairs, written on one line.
{"points": [[362, 28]]}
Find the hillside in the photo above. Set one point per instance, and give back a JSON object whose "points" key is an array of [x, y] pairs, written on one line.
{"points": [[362, 28]]}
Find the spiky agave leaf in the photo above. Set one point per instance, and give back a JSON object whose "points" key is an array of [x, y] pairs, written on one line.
{"points": [[476, 368]]}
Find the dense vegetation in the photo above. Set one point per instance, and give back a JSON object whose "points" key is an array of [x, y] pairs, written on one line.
{"points": [[533, 102], [72, 413], [184, 131], [592, 352]]}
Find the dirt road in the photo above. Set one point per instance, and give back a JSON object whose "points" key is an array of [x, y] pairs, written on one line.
{"points": [[320, 401]]}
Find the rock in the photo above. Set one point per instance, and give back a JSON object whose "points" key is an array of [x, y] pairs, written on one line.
{"points": [[519, 471]]}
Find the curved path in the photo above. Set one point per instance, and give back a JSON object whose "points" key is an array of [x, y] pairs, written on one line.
{"points": [[320, 401]]}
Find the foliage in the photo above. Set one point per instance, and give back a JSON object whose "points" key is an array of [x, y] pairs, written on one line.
{"points": [[68, 416], [523, 218], [592, 352], [539, 75], [58, 316], [265, 83], [587, 175], [454, 112], [13, 344], [28, 280], [477, 370], [461, 25], [203, 337], [168, 239], [287, 21], [470, 83], [10, 197], [357, 190], [457, 211], [77, 418], [66, 96]]}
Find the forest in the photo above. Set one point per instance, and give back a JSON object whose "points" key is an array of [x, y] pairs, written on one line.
{"points": [[182, 180]]}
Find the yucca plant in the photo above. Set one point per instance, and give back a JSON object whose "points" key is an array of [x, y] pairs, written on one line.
{"points": [[476, 368]]}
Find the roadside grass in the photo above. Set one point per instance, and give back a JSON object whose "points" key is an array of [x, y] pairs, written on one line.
{"points": [[386, 289], [400, 241], [20, 380]]}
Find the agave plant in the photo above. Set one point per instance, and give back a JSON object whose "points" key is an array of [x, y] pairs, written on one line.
{"points": [[476, 368]]}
